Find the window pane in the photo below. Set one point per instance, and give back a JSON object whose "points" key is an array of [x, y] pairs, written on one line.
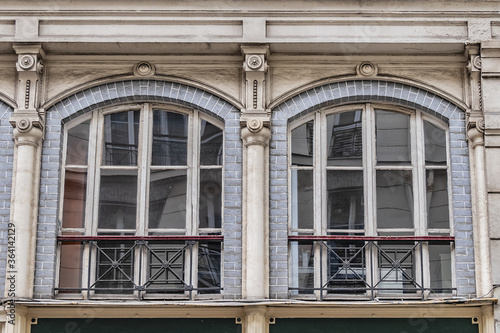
{"points": [[211, 149], [397, 268], [209, 262], [75, 196], [167, 199], [440, 267], [394, 199], [347, 272], [210, 198], [166, 271], [170, 138], [78, 144], [302, 268], [302, 199], [70, 269], [121, 133], [393, 138], [437, 199], [118, 199], [435, 144], [345, 199], [302, 144], [344, 138]]}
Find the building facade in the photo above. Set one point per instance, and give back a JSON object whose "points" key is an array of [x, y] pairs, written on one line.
{"points": [[227, 166]]}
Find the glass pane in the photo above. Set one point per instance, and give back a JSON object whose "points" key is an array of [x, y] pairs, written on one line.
{"points": [[397, 268], [167, 199], [440, 267], [344, 138], [211, 148], [166, 273], [118, 199], [121, 138], [435, 144], [302, 144], [75, 196], [394, 199], [438, 214], [70, 269], [170, 137], [347, 272], [210, 214], [209, 262], [302, 268], [393, 138], [345, 199], [302, 199], [78, 144], [114, 267]]}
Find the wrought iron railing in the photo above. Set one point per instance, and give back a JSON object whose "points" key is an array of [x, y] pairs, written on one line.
{"points": [[368, 266], [159, 265]]}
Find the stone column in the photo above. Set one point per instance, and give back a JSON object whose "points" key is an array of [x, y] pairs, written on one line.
{"points": [[255, 320], [255, 135], [28, 132]]}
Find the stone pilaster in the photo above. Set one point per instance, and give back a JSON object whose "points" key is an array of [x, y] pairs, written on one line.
{"points": [[27, 121], [255, 134]]}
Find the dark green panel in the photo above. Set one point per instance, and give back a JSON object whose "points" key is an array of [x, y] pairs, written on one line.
{"points": [[378, 325], [128, 325]]}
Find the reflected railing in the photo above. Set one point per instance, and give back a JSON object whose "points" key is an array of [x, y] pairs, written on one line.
{"points": [[367, 266], [159, 265]]}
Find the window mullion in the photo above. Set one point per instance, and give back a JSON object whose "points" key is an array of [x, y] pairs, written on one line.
{"points": [[319, 153], [418, 147], [143, 166], [96, 168], [369, 160], [193, 175]]}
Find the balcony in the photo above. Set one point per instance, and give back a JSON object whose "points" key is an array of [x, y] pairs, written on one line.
{"points": [[140, 266], [370, 267]]}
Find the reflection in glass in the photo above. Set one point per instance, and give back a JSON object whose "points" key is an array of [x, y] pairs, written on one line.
{"points": [[302, 267], [437, 199], [75, 195], [170, 137], [302, 199], [440, 267], [70, 265], [393, 138], [344, 138], [211, 149], [209, 263], [345, 199], [302, 144], [118, 199], [210, 198], [78, 144], [121, 133], [394, 199], [435, 144], [397, 271], [347, 272], [167, 199]]}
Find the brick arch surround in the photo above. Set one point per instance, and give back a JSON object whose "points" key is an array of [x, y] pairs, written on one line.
{"points": [[6, 160], [359, 91], [131, 91]]}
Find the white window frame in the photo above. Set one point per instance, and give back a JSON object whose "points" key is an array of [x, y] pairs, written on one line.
{"points": [[369, 168], [143, 167]]}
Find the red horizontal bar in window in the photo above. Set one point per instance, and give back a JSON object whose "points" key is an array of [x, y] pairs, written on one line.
{"points": [[136, 238], [372, 238]]}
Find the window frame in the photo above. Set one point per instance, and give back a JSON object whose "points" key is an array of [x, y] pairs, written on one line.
{"points": [[144, 168], [369, 167]]}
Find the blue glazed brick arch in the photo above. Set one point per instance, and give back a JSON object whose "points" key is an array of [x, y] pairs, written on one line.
{"points": [[359, 91], [130, 91]]}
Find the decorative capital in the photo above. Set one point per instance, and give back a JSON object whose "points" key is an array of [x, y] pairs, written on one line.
{"points": [[144, 68], [24, 122], [475, 128], [367, 69], [251, 137], [255, 57]]}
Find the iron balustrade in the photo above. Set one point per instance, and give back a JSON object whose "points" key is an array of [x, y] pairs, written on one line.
{"points": [[364, 265], [160, 265]]}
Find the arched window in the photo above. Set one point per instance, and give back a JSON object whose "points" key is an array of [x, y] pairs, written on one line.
{"points": [[142, 208], [369, 203]]}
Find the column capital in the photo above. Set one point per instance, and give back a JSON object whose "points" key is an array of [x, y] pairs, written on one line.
{"points": [[255, 133], [28, 128], [475, 134]]}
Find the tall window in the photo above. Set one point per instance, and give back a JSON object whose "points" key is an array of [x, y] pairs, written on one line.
{"points": [[369, 203], [142, 203]]}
